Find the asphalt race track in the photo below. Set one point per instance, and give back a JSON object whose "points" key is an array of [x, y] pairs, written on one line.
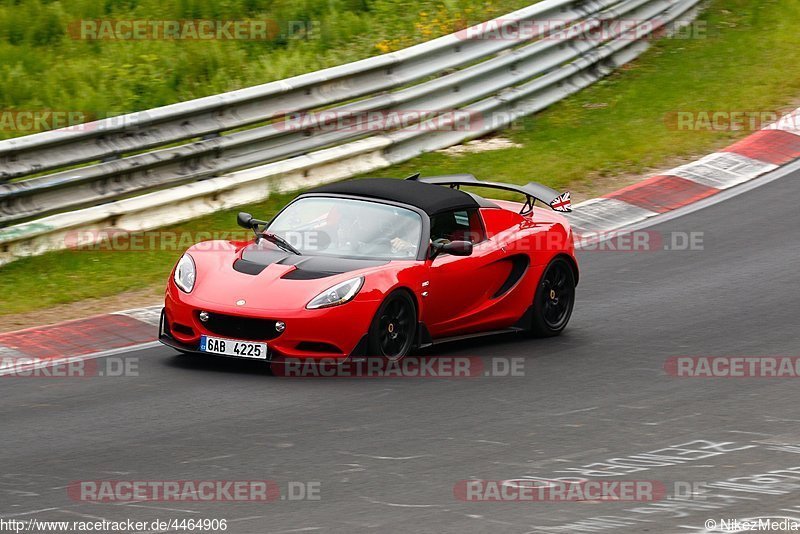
{"points": [[387, 453]]}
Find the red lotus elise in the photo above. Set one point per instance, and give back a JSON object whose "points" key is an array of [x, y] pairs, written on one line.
{"points": [[377, 267]]}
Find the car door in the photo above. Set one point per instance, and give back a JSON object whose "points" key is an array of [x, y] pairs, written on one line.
{"points": [[459, 287]]}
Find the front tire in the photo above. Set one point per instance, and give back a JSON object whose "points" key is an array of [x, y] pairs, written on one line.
{"points": [[392, 331], [554, 299]]}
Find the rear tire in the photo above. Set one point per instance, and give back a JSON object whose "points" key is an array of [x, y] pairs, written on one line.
{"points": [[554, 299], [392, 331]]}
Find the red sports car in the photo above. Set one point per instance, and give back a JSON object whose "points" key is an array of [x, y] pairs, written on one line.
{"points": [[377, 267]]}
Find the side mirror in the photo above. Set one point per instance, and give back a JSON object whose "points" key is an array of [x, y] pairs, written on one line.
{"points": [[454, 248], [245, 220]]}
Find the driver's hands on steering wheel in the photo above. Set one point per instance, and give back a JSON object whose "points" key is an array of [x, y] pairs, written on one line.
{"points": [[401, 245]]}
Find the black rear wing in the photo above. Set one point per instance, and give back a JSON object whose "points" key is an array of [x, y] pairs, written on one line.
{"points": [[533, 191]]}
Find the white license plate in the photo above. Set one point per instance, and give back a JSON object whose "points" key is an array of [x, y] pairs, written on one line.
{"points": [[233, 347]]}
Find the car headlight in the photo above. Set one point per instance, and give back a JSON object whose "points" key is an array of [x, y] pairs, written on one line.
{"points": [[185, 273], [338, 294]]}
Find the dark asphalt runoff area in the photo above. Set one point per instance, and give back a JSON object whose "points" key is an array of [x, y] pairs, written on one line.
{"points": [[385, 454]]}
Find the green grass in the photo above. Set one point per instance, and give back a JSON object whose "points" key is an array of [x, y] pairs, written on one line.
{"points": [[43, 67], [616, 126]]}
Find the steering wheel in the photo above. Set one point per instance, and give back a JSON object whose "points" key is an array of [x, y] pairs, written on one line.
{"points": [[386, 227], [380, 245]]}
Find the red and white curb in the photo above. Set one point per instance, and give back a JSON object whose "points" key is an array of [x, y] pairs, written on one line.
{"points": [[766, 150], [102, 335]]}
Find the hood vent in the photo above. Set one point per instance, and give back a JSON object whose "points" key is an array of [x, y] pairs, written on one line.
{"points": [[256, 258]]}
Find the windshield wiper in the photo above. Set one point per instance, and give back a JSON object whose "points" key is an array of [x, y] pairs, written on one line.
{"points": [[281, 242]]}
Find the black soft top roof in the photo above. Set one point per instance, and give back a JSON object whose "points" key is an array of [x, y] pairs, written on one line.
{"points": [[430, 198]]}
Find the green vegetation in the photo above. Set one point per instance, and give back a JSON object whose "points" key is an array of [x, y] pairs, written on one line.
{"points": [[44, 66], [615, 127]]}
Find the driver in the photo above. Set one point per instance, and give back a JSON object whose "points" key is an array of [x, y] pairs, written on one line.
{"points": [[403, 242]]}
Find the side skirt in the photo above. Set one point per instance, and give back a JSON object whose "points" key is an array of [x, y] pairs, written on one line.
{"points": [[424, 339]]}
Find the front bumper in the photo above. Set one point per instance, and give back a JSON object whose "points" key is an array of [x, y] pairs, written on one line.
{"points": [[336, 333]]}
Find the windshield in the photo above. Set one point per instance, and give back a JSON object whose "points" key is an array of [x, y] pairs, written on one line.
{"points": [[349, 228]]}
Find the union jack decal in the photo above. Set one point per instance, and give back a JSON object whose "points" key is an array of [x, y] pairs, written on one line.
{"points": [[562, 203]]}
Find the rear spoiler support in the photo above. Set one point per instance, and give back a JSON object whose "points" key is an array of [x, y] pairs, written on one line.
{"points": [[533, 191]]}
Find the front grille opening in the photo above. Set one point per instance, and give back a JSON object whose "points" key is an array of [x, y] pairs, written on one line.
{"points": [[236, 327], [316, 346], [182, 329]]}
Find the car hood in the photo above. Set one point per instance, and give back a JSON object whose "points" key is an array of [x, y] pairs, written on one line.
{"points": [[267, 278]]}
